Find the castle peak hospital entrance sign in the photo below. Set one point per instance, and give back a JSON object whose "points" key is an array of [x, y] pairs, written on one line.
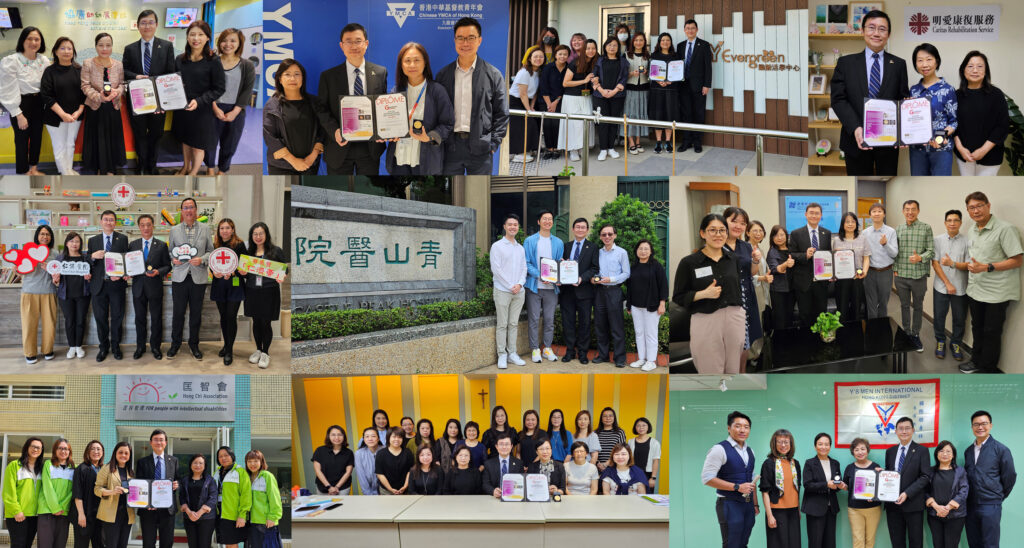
{"points": [[358, 251]]}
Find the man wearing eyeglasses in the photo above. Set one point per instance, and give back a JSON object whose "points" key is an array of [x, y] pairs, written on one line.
{"points": [[188, 277], [990, 477], [146, 57], [356, 76], [613, 264], [905, 516], [871, 74]]}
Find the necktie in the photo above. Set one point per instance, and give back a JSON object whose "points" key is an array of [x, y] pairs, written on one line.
{"points": [[903, 457], [159, 468], [686, 62], [875, 82], [147, 57], [358, 85], [814, 238], [504, 467], [576, 251], [106, 245], [145, 250]]}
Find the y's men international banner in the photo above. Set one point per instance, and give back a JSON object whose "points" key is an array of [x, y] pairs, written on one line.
{"points": [[951, 23], [870, 410]]}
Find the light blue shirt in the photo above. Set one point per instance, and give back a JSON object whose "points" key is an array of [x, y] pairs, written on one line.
{"points": [[881, 255], [869, 61], [614, 264]]}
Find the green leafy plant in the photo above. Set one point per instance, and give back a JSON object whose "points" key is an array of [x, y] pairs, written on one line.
{"points": [[567, 171], [1015, 149], [633, 221], [826, 323]]}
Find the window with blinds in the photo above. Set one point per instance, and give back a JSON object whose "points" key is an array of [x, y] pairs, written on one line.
{"points": [[31, 392]]}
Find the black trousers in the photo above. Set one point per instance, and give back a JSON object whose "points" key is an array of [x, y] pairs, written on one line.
{"points": [[200, 533], [850, 295], [458, 159], [987, 321], [52, 531], [28, 141], [156, 522], [262, 334], [782, 309], [575, 322], [108, 310], [786, 533], [24, 533], [821, 531], [186, 294], [155, 308], [516, 131], [877, 161], [608, 322], [92, 532], [358, 160], [906, 529], [692, 105], [606, 133], [551, 129], [945, 531], [228, 322], [227, 135], [147, 130], [812, 302], [74, 318]]}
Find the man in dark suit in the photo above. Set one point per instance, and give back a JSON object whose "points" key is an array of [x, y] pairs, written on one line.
{"points": [[498, 466], [811, 296], [873, 73], [693, 95], [577, 300], [107, 291], [356, 76], [148, 288], [148, 56], [905, 517], [158, 521], [478, 93]]}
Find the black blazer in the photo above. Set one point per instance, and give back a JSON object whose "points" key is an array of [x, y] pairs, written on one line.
{"points": [[145, 468], [492, 473], [161, 58], [119, 244], [207, 496], [160, 260], [490, 105], [802, 273], [850, 88], [819, 500], [438, 121], [588, 265], [334, 83], [700, 66], [767, 483], [557, 477], [915, 478]]}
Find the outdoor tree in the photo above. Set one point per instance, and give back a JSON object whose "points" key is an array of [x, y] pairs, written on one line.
{"points": [[633, 221]]}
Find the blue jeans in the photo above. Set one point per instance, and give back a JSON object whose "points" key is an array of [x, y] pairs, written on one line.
{"points": [[941, 302], [983, 525], [928, 161], [736, 520]]}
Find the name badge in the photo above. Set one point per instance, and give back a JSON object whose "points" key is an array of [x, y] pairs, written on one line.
{"points": [[702, 272], [260, 484]]}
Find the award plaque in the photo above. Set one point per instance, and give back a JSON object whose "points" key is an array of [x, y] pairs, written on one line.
{"points": [[888, 486], [513, 487], [548, 270], [864, 485], [822, 262], [113, 264], [843, 264], [356, 118], [880, 122], [568, 272]]}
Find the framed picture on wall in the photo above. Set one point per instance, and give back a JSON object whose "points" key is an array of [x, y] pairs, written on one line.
{"points": [[837, 13], [859, 9], [817, 85]]}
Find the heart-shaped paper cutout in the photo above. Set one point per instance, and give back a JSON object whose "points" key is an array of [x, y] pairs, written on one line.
{"points": [[26, 266], [37, 252], [11, 256]]}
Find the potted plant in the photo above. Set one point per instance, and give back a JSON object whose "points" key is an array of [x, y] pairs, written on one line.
{"points": [[826, 326]]}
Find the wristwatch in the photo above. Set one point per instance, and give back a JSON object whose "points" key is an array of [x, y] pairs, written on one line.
{"points": [[991, 267], [736, 487]]}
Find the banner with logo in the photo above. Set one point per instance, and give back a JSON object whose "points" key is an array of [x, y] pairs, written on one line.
{"points": [[175, 398], [870, 410], [951, 23]]}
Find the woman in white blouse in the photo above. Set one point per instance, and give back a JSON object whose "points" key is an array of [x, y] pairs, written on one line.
{"points": [[524, 91], [20, 73]]}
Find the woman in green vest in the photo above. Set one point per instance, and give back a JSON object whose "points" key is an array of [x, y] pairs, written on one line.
{"points": [[266, 499], [20, 493], [235, 499], [55, 496]]}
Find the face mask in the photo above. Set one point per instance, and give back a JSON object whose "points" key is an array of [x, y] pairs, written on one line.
{"points": [[623, 37], [549, 40]]}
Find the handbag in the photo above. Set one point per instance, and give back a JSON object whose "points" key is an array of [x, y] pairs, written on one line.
{"points": [[272, 538]]}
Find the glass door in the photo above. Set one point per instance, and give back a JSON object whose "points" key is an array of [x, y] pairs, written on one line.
{"points": [[637, 16]]}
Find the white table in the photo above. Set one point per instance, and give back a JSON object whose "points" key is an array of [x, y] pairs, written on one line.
{"points": [[606, 521], [465, 519], [363, 521]]}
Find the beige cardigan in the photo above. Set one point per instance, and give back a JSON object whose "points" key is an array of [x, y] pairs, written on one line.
{"points": [[92, 82], [107, 510]]}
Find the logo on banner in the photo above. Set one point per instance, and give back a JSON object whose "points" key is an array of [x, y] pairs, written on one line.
{"points": [[886, 411], [870, 410], [919, 23], [400, 11]]}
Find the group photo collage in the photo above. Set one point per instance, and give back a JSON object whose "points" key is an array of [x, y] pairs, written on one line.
{"points": [[682, 273]]}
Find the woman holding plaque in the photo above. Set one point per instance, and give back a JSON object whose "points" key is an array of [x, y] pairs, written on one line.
{"points": [[64, 103], [947, 498], [522, 133], [551, 90], [266, 499], [609, 84], [20, 77], [113, 511], [637, 85], [984, 119], [749, 262], [431, 116], [646, 293], [103, 138], [228, 290], [780, 491], [850, 291], [936, 156], [778, 263], [864, 515], [235, 499], [38, 305], [203, 77], [463, 478], [55, 496], [663, 99], [84, 501], [262, 294], [229, 108], [821, 483], [198, 500], [552, 469], [291, 132], [577, 100], [426, 478], [623, 477]]}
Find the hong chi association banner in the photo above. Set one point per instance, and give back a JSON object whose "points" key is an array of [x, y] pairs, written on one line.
{"points": [[870, 410], [951, 23]]}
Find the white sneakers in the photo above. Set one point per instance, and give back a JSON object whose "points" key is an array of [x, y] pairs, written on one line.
{"points": [[518, 158], [502, 361], [649, 366], [612, 153], [514, 358], [33, 359], [550, 355], [601, 156], [264, 360], [636, 364], [536, 355], [255, 357], [79, 351], [574, 156], [71, 352]]}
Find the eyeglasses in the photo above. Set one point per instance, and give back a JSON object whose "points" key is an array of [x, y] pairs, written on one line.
{"points": [[715, 231], [607, 234], [184, 208], [872, 29], [354, 43], [977, 207], [980, 424], [147, 23], [975, 67], [465, 39]]}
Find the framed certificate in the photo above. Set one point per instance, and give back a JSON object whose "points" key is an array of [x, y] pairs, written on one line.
{"points": [[113, 264], [134, 263], [843, 263], [568, 272], [147, 493], [675, 71], [549, 270], [822, 263], [138, 493], [164, 92], [537, 488], [659, 70], [915, 121], [865, 484], [888, 486], [513, 487], [356, 118], [391, 114], [880, 122]]}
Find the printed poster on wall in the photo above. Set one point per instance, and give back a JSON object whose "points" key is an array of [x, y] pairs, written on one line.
{"points": [[870, 410], [951, 23]]}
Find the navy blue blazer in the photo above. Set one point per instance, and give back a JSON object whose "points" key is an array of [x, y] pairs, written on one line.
{"points": [[207, 496], [438, 122], [623, 73], [959, 494]]}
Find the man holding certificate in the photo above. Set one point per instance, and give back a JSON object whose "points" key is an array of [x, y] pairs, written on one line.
{"points": [[871, 75], [148, 287], [107, 291], [905, 517], [577, 300], [541, 276], [148, 56], [158, 466], [811, 295]]}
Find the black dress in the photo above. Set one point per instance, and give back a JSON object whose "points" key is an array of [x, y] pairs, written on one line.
{"points": [[103, 138], [222, 290], [204, 82], [663, 102], [263, 294]]}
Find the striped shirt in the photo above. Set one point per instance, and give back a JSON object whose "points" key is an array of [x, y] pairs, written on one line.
{"points": [[609, 439]]}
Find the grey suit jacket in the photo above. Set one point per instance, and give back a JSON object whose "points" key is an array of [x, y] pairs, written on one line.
{"points": [[200, 241]]}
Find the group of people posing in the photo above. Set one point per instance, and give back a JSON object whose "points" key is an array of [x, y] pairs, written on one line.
{"points": [[43, 496], [406, 459], [603, 272], [40, 290], [457, 119], [951, 495], [726, 284], [580, 78], [972, 119], [61, 93]]}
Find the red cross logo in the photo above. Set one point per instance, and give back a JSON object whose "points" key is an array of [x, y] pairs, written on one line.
{"points": [[919, 23], [123, 191], [223, 257]]}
